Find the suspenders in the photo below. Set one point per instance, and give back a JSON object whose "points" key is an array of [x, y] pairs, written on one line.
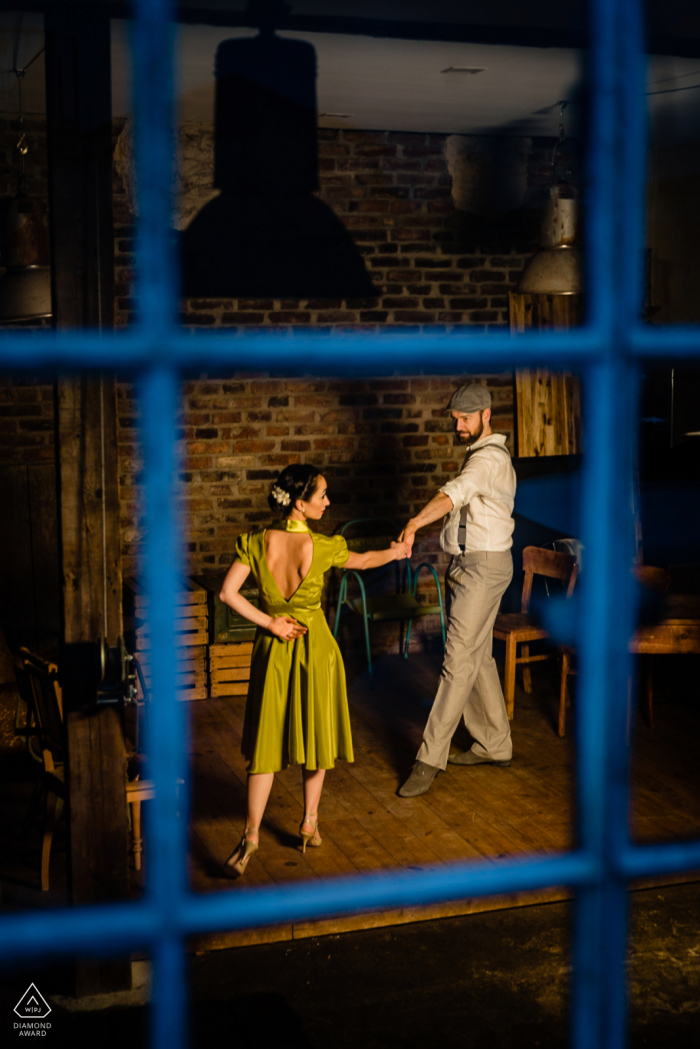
{"points": [[462, 529]]}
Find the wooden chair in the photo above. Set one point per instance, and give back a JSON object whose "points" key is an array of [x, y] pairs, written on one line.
{"points": [[400, 605], [520, 628], [39, 687], [645, 642]]}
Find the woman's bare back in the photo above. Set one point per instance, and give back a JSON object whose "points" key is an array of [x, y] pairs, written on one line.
{"points": [[289, 556]]}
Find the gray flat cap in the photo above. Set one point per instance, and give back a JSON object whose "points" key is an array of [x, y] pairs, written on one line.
{"points": [[472, 397]]}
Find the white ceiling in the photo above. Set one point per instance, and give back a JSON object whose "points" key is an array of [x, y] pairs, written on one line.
{"points": [[386, 83], [390, 84], [398, 85]]}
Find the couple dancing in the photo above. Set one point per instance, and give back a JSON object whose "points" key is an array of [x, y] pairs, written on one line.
{"points": [[297, 708]]}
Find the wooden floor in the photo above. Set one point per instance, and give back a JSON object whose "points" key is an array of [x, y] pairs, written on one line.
{"points": [[479, 813]]}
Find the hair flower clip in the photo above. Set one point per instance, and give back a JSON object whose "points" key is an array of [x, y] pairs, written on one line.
{"points": [[280, 496]]}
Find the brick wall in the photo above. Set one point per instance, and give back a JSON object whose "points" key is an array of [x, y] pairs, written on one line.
{"points": [[26, 419], [433, 267], [383, 444]]}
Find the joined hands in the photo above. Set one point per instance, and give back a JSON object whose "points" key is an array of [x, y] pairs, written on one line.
{"points": [[285, 628], [401, 549]]}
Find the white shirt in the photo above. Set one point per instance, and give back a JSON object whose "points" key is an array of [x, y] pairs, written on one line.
{"points": [[486, 488]]}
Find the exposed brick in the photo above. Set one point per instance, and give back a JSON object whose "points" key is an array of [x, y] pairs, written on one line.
{"points": [[337, 317], [295, 446], [483, 316], [354, 399], [413, 316], [242, 447], [334, 444], [401, 302], [468, 303], [422, 151], [375, 151], [290, 317]]}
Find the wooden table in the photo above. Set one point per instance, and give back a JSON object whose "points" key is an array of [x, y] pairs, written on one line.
{"points": [[678, 633]]}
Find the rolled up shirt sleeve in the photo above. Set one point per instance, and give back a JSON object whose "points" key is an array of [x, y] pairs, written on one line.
{"points": [[472, 481]]}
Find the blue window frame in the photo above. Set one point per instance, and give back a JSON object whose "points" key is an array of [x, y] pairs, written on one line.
{"points": [[607, 351]]}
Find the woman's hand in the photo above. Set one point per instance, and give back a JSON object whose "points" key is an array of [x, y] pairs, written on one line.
{"points": [[401, 550], [286, 628]]}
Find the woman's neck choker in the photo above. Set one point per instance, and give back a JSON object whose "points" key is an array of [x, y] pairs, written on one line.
{"points": [[289, 524]]}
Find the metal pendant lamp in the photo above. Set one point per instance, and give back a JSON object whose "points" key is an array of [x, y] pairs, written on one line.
{"points": [[25, 287], [556, 268]]}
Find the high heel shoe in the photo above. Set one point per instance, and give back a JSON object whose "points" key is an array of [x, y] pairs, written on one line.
{"points": [[245, 849], [314, 838]]}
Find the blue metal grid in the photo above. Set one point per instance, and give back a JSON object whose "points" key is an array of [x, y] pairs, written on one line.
{"points": [[607, 351]]}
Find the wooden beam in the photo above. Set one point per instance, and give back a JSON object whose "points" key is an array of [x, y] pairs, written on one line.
{"points": [[79, 130], [86, 443], [79, 142]]}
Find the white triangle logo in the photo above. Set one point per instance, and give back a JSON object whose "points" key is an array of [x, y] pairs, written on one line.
{"points": [[32, 1005]]}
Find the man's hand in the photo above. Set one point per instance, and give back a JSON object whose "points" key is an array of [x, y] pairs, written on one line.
{"points": [[438, 506], [286, 628], [407, 536]]}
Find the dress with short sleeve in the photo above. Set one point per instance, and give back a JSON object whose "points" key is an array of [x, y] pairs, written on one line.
{"points": [[297, 707]]}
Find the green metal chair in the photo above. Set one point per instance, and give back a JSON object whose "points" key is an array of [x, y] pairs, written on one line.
{"points": [[402, 605]]}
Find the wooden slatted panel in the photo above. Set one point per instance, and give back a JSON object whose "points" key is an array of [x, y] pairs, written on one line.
{"points": [[229, 668], [190, 612], [190, 672], [548, 403]]}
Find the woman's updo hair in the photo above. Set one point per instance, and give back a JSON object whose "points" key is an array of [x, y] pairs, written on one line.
{"points": [[295, 482]]}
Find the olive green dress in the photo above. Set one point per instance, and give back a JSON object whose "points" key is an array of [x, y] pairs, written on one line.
{"points": [[297, 709]]}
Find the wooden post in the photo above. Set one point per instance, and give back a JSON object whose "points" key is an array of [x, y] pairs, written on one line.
{"points": [[79, 128], [548, 404]]}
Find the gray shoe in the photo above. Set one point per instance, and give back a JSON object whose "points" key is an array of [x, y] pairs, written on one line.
{"points": [[419, 781], [468, 757]]}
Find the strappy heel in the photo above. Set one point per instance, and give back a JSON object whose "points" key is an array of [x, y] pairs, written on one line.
{"points": [[245, 848], [314, 838]]}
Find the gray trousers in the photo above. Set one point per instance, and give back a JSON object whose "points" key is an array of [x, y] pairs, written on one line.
{"points": [[469, 684]]}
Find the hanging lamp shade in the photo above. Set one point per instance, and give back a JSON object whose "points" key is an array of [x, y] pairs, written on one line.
{"points": [[25, 287], [556, 268]]}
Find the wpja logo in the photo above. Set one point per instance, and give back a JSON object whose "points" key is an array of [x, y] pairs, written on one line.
{"points": [[32, 1009]]}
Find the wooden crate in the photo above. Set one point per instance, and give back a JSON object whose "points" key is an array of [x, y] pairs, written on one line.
{"points": [[229, 668], [191, 616], [190, 672], [224, 624]]}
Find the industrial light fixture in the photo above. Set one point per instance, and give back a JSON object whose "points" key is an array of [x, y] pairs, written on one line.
{"points": [[556, 268], [25, 287], [464, 69]]}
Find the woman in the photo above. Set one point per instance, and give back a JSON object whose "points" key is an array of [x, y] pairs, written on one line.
{"points": [[297, 709]]}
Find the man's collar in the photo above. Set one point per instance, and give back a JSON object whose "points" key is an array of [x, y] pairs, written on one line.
{"points": [[482, 441]]}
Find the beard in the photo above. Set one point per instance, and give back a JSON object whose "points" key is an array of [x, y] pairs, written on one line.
{"points": [[472, 438]]}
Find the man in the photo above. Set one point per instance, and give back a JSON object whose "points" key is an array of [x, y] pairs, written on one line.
{"points": [[477, 532]]}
